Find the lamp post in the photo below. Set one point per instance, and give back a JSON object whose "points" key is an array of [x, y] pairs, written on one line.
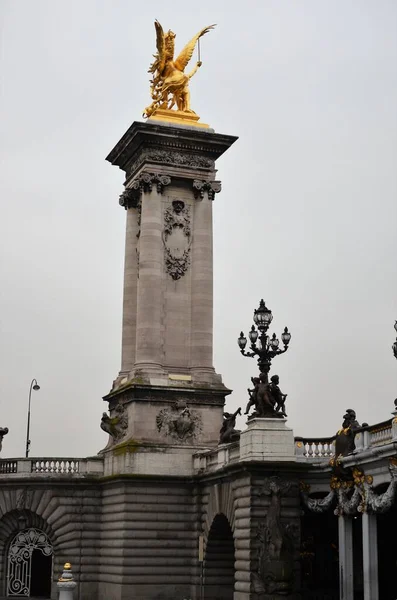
{"points": [[262, 345], [394, 346], [33, 386]]}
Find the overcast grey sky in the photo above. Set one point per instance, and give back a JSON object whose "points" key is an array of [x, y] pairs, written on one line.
{"points": [[307, 217]]}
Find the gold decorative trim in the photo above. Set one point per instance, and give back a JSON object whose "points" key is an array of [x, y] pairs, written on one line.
{"points": [[176, 117]]}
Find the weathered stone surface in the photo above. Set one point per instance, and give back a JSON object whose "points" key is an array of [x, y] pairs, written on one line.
{"points": [[267, 440]]}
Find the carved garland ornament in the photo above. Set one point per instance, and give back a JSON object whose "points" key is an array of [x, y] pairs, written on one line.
{"points": [[354, 495], [177, 238]]}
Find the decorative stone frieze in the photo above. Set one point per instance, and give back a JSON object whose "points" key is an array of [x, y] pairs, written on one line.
{"points": [[143, 183], [177, 239], [211, 187], [172, 158]]}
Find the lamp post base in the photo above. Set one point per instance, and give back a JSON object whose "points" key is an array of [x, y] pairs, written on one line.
{"points": [[267, 439]]}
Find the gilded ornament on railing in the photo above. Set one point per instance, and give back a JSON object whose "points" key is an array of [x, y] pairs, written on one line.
{"points": [[170, 83]]}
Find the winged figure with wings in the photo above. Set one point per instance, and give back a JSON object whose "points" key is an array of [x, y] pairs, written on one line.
{"points": [[170, 84]]}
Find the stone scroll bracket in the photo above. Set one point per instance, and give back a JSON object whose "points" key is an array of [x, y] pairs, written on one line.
{"points": [[143, 183], [211, 187]]}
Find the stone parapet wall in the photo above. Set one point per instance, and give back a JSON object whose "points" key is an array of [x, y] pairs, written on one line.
{"points": [[148, 543]]}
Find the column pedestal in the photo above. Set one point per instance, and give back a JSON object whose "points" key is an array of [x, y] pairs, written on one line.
{"points": [[267, 440]]}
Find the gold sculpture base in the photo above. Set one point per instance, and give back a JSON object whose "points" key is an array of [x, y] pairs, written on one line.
{"points": [[176, 117]]}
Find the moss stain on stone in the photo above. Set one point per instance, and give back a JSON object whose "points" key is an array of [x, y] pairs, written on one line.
{"points": [[128, 447]]}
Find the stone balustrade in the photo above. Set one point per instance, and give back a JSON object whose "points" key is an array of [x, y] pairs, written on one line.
{"points": [[211, 460], [30, 467], [372, 436], [315, 448]]}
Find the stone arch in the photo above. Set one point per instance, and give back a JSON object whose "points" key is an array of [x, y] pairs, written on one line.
{"points": [[220, 500], [29, 564], [57, 510], [219, 572], [219, 548], [13, 522]]}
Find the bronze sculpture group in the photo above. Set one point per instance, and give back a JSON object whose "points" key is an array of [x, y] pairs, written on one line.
{"points": [[266, 397], [268, 400]]}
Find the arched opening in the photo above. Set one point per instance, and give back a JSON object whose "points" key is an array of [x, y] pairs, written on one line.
{"points": [[29, 565], [319, 556], [387, 550], [219, 561]]}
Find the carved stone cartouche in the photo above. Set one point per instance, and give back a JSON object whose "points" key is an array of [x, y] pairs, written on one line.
{"points": [[179, 422], [177, 239]]}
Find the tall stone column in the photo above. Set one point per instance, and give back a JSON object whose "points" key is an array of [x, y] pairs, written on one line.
{"points": [[345, 531], [202, 278], [167, 391], [149, 349], [131, 202], [370, 557]]}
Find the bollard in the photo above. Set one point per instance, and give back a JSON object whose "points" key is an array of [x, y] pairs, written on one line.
{"points": [[66, 584]]}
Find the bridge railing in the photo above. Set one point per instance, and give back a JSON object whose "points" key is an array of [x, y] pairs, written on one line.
{"points": [[371, 436], [315, 448], [211, 460], [51, 466]]}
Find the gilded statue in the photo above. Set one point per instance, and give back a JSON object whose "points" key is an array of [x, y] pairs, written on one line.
{"points": [[170, 84]]}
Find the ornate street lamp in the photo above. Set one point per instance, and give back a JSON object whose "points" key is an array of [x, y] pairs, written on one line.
{"points": [[394, 346], [33, 386], [262, 345]]}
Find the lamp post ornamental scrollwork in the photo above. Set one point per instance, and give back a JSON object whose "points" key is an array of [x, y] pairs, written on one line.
{"points": [[262, 345], [394, 345]]}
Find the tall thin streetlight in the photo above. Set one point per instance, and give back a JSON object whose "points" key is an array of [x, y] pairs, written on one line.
{"points": [[33, 386]]}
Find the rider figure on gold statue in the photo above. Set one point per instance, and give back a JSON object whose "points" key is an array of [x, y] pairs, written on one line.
{"points": [[170, 84]]}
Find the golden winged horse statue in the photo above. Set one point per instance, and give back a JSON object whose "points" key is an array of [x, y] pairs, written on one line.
{"points": [[170, 84]]}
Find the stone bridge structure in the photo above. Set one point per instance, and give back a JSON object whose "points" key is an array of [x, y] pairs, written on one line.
{"points": [[138, 534], [166, 512]]}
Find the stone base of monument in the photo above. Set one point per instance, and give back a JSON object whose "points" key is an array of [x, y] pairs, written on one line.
{"points": [[134, 458], [267, 440]]}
